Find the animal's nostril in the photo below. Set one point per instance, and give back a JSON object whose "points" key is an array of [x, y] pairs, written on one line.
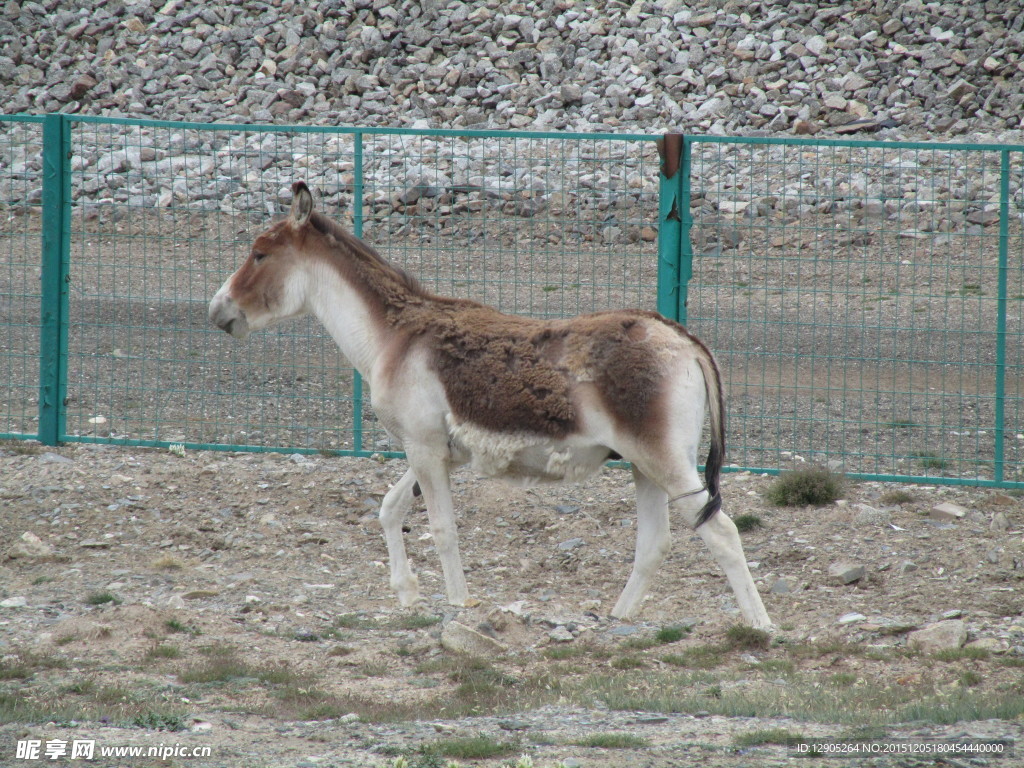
{"points": [[227, 325]]}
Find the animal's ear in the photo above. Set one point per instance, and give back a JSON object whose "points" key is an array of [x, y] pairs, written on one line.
{"points": [[302, 203]]}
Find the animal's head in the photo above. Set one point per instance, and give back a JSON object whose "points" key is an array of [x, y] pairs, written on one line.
{"points": [[273, 283]]}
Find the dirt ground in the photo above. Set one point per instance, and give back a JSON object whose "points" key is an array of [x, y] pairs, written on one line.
{"points": [[240, 602]]}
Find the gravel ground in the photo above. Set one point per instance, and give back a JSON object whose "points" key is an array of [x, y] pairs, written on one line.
{"points": [[277, 562]]}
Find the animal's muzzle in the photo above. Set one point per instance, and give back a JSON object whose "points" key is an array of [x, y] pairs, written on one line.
{"points": [[228, 316]]}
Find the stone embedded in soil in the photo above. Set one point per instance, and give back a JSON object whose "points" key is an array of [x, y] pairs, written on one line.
{"points": [[459, 638], [947, 511], [940, 636], [999, 522], [846, 572], [30, 547], [561, 635]]}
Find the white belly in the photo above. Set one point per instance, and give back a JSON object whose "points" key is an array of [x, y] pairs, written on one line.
{"points": [[523, 456]]}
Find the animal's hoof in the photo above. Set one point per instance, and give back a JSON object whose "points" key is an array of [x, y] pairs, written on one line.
{"points": [[409, 599]]}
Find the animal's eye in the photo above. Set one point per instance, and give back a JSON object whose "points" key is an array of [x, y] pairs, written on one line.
{"points": [[258, 256]]}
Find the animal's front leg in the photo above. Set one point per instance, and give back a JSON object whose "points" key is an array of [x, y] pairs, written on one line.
{"points": [[392, 515], [432, 474]]}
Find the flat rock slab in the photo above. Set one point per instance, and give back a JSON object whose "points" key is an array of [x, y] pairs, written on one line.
{"points": [[459, 638], [940, 636]]}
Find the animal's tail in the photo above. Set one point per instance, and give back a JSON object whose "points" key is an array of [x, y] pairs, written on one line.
{"points": [[716, 415]]}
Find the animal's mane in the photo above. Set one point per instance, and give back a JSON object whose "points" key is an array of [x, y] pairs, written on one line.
{"points": [[364, 252]]}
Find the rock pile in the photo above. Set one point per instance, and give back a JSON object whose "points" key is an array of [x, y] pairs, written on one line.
{"points": [[722, 66]]}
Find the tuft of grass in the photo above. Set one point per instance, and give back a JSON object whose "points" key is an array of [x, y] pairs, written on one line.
{"points": [[414, 621], [969, 678], [768, 736], [843, 679], [628, 662], [222, 664], [746, 523], [697, 657], [21, 447], [155, 720], [354, 621], [612, 741], [814, 486], [671, 634], [896, 497], [470, 748], [931, 460], [966, 652], [23, 665], [177, 626], [742, 637], [102, 598], [161, 651], [168, 563]]}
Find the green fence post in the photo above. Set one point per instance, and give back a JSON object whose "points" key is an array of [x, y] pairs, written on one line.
{"points": [[1001, 301], [357, 230], [675, 257], [53, 333]]}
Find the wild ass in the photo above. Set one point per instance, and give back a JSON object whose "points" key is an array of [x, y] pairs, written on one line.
{"points": [[519, 398]]}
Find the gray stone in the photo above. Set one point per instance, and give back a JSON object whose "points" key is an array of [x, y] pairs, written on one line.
{"points": [[459, 638], [940, 636], [947, 511], [846, 572], [30, 547], [561, 635], [999, 522]]}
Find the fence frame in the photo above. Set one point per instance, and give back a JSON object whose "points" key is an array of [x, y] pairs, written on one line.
{"points": [[674, 248]]}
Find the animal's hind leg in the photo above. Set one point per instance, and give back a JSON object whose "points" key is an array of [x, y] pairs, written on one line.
{"points": [[722, 538], [653, 541], [392, 515]]}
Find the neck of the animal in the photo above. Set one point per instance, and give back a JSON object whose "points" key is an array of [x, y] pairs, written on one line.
{"points": [[348, 316]]}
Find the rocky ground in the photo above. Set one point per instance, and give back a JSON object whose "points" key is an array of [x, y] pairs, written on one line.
{"points": [[240, 602], [939, 69]]}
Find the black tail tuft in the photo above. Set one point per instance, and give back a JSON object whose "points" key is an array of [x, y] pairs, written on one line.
{"points": [[712, 470]]}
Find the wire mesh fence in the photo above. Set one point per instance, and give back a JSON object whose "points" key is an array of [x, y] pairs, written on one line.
{"points": [[865, 303], [864, 299], [21, 143], [161, 214]]}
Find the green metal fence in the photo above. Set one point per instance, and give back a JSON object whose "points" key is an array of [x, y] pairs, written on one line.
{"points": [[148, 219], [865, 302], [864, 298]]}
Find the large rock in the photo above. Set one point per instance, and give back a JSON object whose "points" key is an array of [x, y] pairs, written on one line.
{"points": [[30, 547], [459, 638], [940, 636]]}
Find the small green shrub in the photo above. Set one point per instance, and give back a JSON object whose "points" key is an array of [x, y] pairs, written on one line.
{"points": [[672, 634], [746, 523], [612, 741], [896, 497], [102, 598], [815, 486], [768, 736], [471, 748], [742, 637]]}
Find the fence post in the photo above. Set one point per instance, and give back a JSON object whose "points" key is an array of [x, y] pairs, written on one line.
{"points": [[53, 333], [675, 256], [1004, 245], [357, 230]]}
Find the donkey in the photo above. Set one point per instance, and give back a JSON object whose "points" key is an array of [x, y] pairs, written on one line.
{"points": [[525, 399]]}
